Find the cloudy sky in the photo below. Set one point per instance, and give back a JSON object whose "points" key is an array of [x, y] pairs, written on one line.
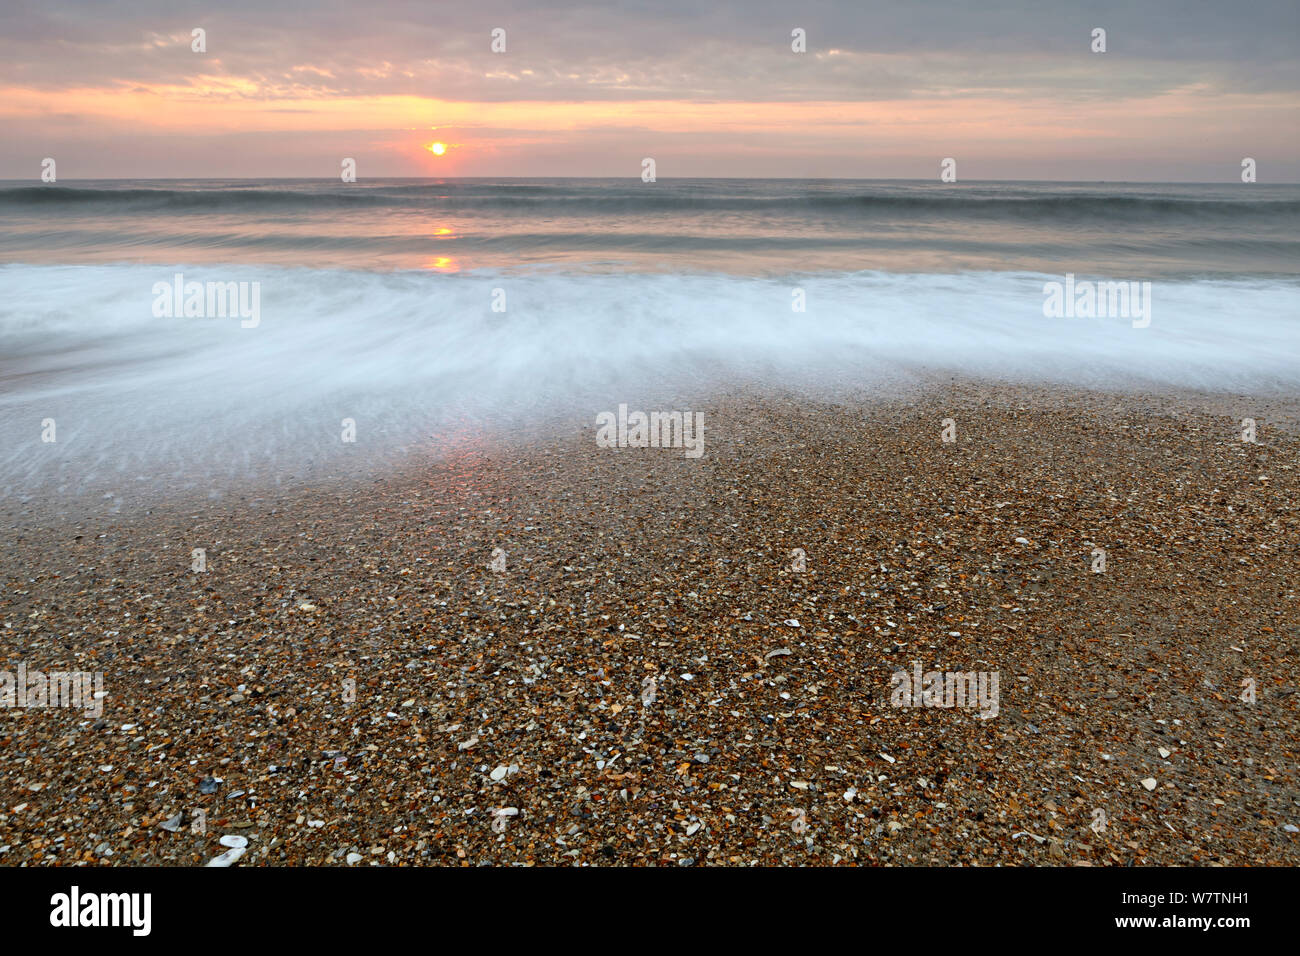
{"points": [[1011, 90]]}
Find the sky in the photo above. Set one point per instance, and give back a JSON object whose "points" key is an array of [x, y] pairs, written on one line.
{"points": [[1010, 90]]}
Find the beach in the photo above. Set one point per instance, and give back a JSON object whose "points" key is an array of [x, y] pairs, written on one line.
{"points": [[539, 650], [648, 437]]}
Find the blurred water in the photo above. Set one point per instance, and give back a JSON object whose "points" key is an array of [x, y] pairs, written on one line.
{"points": [[376, 306]]}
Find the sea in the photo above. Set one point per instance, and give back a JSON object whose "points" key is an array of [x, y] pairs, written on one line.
{"points": [[432, 312]]}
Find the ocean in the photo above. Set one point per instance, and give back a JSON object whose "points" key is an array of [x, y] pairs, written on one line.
{"points": [[772, 228], [426, 311]]}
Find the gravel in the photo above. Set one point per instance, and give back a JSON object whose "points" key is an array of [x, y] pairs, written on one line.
{"points": [[649, 681]]}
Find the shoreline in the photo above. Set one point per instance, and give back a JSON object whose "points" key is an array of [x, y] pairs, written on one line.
{"points": [[894, 398]]}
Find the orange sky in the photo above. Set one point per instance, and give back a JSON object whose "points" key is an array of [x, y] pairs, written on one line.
{"points": [[293, 99]]}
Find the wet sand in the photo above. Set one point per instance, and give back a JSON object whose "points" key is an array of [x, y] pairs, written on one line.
{"points": [[772, 736]]}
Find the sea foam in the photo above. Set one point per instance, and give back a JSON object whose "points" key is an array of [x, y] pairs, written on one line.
{"points": [[415, 357]]}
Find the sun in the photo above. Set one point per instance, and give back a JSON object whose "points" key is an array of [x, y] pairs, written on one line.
{"points": [[437, 148]]}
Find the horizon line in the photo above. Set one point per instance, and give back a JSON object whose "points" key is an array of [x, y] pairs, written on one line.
{"points": [[805, 179]]}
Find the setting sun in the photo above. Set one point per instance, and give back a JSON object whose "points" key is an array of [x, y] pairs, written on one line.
{"points": [[437, 148]]}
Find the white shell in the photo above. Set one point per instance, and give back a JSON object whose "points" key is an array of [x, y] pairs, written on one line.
{"points": [[227, 858]]}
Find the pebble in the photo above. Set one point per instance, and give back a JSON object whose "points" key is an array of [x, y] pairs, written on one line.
{"points": [[542, 665]]}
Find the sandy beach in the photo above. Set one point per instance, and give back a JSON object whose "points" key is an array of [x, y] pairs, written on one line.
{"points": [[688, 661]]}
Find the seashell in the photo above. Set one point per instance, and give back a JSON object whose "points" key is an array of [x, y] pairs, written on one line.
{"points": [[227, 858]]}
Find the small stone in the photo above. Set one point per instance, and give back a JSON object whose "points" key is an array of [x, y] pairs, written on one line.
{"points": [[354, 858], [172, 824], [500, 773], [1149, 783], [208, 785], [1164, 753], [234, 842]]}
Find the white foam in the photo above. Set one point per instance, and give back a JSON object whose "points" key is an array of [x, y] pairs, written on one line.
{"points": [[410, 355]]}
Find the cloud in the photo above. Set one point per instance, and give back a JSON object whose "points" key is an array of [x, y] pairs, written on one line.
{"points": [[582, 84], [566, 51]]}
